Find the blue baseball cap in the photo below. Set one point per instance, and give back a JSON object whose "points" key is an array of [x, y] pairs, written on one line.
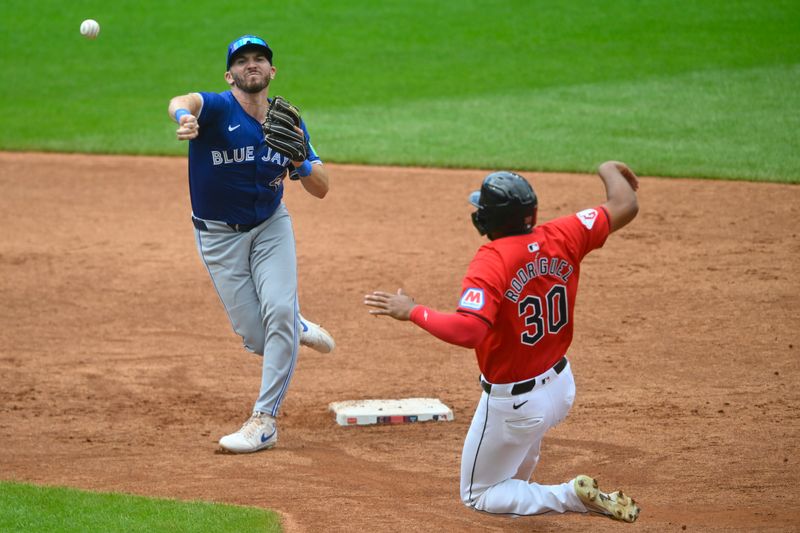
{"points": [[247, 41]]}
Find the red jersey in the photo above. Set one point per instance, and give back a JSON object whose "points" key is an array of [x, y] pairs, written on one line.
{"points": [[524, 288]]}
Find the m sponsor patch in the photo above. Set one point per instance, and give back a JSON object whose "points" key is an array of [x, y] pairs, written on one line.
{"points": [[472, 299], [587, 217]]}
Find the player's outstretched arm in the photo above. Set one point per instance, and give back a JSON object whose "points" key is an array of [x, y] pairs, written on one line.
{"points": [[456, 328], [621, 185], [187, 123]]}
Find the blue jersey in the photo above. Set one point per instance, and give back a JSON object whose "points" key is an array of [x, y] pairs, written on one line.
{"points": [[234, 176]]}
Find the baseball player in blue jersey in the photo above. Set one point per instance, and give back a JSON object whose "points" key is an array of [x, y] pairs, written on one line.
{"points": [[243, 230]]}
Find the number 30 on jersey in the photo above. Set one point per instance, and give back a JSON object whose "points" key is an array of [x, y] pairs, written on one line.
{"points": [[547, 318]]}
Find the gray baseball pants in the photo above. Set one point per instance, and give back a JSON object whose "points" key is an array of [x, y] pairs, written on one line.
{"points": [[255, 275]]}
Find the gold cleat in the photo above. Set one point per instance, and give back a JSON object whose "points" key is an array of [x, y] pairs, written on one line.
{"points": [[615, 505]]}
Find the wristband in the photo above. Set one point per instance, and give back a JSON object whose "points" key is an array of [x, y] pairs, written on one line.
{"points": [[304, 169], [179, 113]]}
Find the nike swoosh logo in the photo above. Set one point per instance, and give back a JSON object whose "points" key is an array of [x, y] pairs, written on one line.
{"points": [[517, 406], [233, 128], [265, 438]]}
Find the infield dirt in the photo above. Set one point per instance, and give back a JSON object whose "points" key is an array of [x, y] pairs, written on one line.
{"points": [[120, 371]]}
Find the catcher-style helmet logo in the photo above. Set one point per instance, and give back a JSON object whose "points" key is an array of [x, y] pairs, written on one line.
{"points": [[587, 217], [472, 299]]}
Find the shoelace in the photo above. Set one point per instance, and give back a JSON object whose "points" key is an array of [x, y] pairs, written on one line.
{"points": [[254, 425]]}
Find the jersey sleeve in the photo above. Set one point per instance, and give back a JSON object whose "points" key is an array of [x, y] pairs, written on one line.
{"points": [[214, 106], [586, 230], [482, 287], [462, 330]]}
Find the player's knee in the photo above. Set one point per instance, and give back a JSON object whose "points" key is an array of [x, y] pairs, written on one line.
{"points": [[484, 503], [480, 498], [474, 503], [468, 497], [254, 346], [246, 322], [252, 337]]}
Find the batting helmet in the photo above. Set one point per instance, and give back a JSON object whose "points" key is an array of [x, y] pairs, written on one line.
{"points": [[504, 203]]}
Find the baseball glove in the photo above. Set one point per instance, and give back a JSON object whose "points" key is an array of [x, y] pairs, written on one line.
{"points": [[279, 130]]}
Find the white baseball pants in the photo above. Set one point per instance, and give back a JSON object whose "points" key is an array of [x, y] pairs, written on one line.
{"points": [[502, 446]]}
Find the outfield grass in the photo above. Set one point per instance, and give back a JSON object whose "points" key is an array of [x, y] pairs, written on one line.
{"points": [[26, 508], [683, 88]]}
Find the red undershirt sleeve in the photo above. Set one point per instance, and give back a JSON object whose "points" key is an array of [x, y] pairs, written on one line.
{"points": [[456, 328]]}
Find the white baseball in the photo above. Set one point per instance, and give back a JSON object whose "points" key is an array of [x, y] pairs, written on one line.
{"points": [[90, 28]]}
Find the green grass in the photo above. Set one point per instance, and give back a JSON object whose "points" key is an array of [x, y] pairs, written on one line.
{"points": [[706, 88], [26, 508]]}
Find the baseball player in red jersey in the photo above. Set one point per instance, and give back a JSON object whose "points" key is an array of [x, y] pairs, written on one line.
{"points": [[516, 311]]}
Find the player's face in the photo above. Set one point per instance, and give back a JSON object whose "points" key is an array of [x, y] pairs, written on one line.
{"points": [[251, 72]]}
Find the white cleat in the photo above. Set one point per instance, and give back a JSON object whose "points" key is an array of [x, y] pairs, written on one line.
{"points": [[315, 336], [258, 433]]}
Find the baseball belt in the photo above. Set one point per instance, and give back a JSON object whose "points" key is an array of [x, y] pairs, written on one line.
{"points": [[241, 228], [526, 386]]}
